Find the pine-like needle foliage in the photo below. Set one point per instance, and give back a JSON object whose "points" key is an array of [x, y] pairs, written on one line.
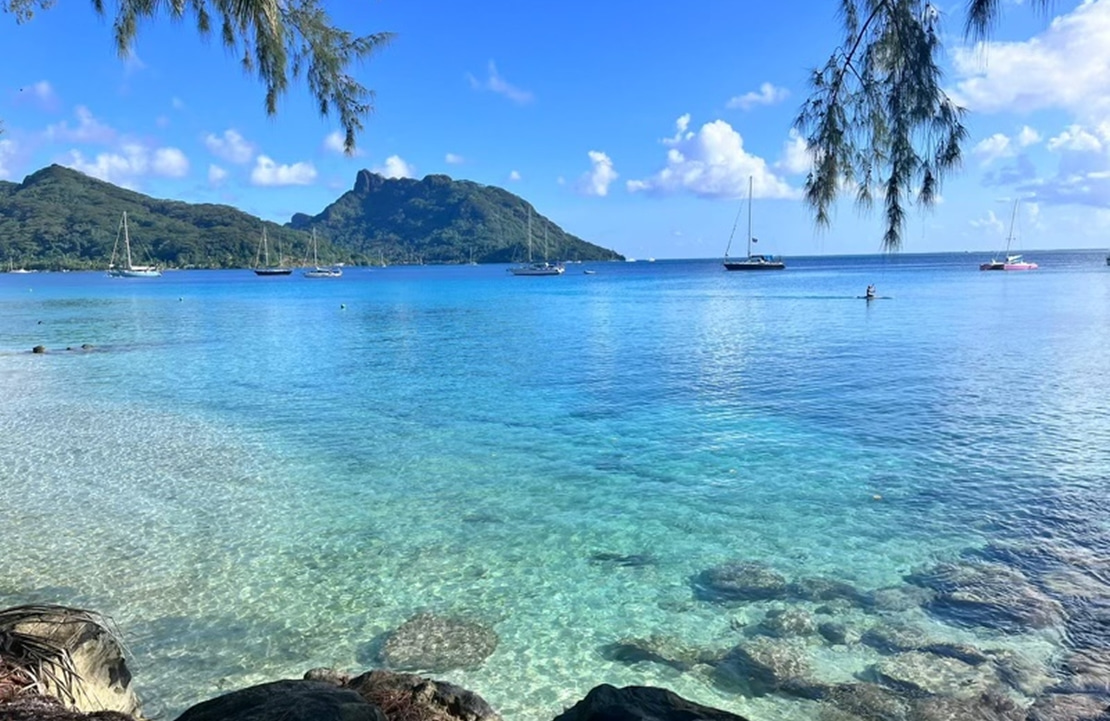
{"points": [[878, 120], [279, 40]]}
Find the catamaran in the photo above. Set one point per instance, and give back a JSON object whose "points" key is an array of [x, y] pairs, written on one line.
{"points": [[1012, 261]]}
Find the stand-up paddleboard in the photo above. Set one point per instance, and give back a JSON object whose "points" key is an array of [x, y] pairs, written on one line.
{"points": [[874, 297]]}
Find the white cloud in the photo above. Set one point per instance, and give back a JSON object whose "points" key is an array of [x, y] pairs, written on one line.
{"points": [[1077, 139], [991, 222], [767, 94], [514, 175], [7, 152], [453, 159], [1027, 136], [88, 130], [497, 84], [796, 158], [334, 142], [597, 179], [1063, 67], [40, 93], [216, 174], [231, 146], [712, 163], [169, 162], [992, 148], [267, 172], [1000, 145], [395, 167], [129, 163]]}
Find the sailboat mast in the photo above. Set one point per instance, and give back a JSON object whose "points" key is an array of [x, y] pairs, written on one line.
{"points": [[126, 240], [749, 216], [1010, 237]]}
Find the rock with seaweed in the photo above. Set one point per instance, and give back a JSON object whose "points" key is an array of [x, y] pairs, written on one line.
{"points": [[407, 697], [46, 708], [69, 654]]}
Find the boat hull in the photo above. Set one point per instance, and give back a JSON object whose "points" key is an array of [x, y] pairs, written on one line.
{"points": [[750, 264], [273, 271], [538, 269], [132, 273], [323, 273]]}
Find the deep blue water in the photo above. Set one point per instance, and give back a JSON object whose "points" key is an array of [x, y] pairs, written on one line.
{"points": [[255, 476]]}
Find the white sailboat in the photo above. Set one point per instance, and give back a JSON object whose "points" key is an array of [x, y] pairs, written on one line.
{"points": [[127, 269], [264, 251], [752, 262], [537, 268], [1012, 261], [318, 271]]}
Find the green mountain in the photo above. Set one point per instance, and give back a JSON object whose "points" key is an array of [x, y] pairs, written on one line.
{"points": [[440, 220], [61, 218]]}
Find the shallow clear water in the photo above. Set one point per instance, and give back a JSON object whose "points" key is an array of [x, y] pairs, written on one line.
{"points": [[256, 476]]}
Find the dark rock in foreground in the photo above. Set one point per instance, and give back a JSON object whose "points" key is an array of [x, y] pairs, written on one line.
{"points": [[640, 703], [287, 701], [740, 581], [404, 696], [45, 708], [427, 642]]}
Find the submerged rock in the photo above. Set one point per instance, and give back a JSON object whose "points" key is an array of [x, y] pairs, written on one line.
{"points": [[890, 638], [824, 589], [39, 349], [988, 595], [640, 703], [984, 707], [665, 650], [431, 643], [1087, 671], [864, 701], [897, 598], [764, 666], [785, 622], [740, 581], [834, 633], [286, 701], [1070, 707], [405, 696], [918, 672], [634, 560]]}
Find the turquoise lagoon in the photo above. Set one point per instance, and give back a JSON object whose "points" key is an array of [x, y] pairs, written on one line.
{"points": [[257, 476]]}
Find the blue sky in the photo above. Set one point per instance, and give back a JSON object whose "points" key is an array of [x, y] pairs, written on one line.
{"points": [[633, 125]]}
